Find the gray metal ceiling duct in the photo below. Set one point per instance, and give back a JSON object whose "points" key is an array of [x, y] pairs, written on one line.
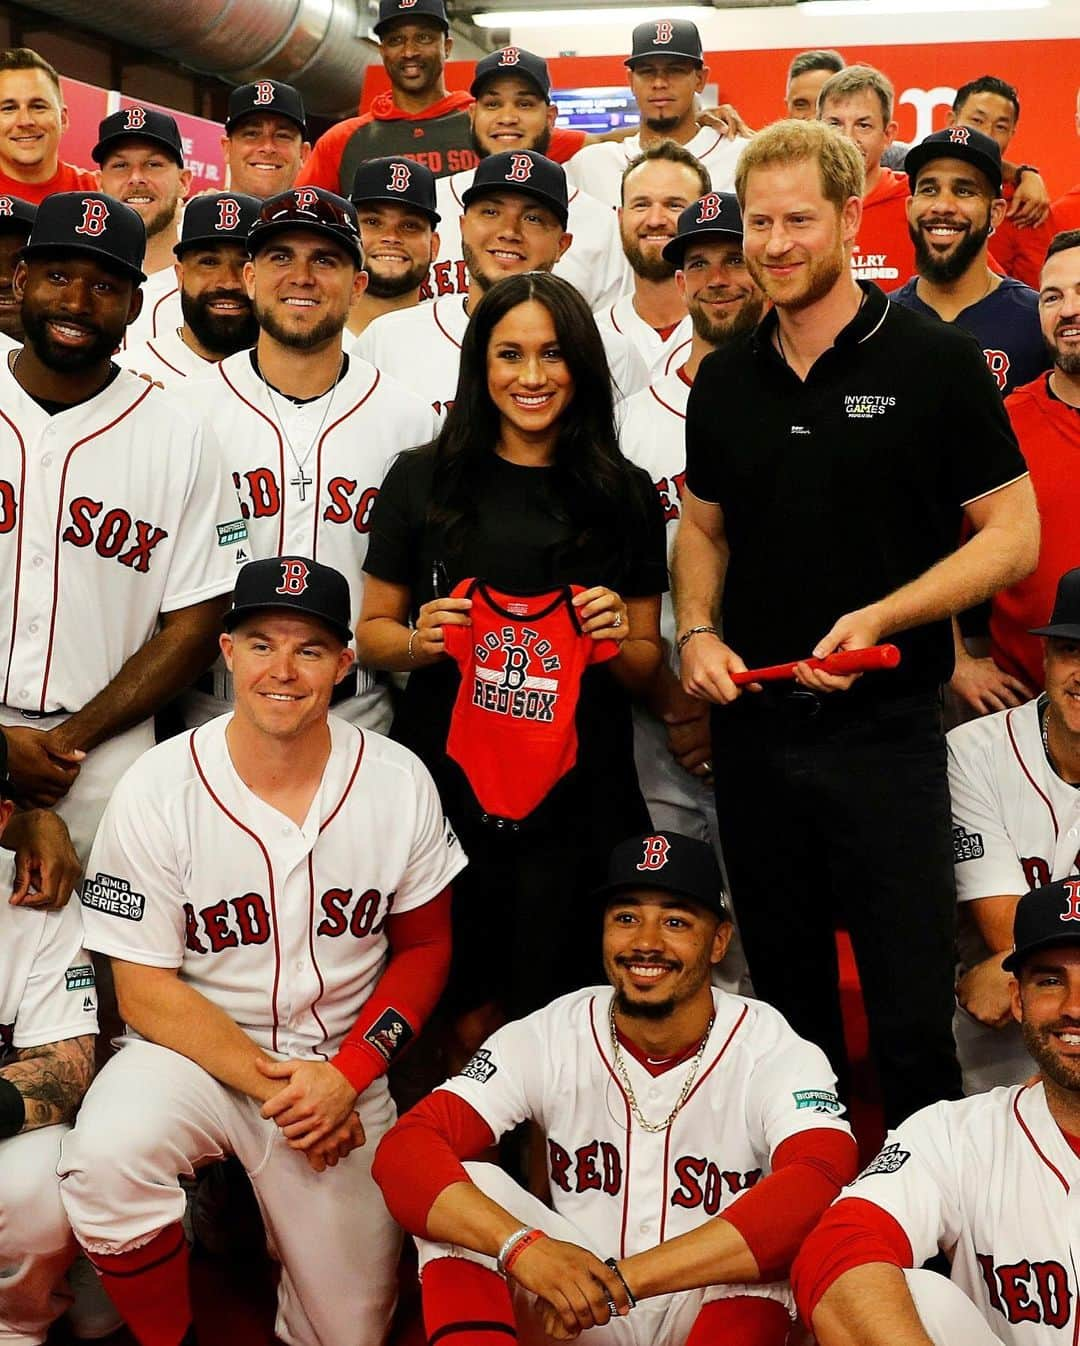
{"points": [[318, 45]]}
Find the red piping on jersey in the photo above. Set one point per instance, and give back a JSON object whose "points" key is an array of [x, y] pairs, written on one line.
{"points": [[680, 347], [727, 1043], [626, 1106], [281, 453], [59, 520], [442, 329], [153, 316], [348, 786], [1023, 767], [20, 510], [165, 362], [611, 316], [667, 405], [311, 947], [269, 876], [681, 372], [1035, 1146], [663, 1199], [318, 459], [453, 191]]}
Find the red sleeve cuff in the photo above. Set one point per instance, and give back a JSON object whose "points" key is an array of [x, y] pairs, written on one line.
{"points": [[853, 1233]]}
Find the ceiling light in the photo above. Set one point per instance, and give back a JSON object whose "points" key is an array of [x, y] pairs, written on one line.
{"points": [[559, 18], [845, 8]]}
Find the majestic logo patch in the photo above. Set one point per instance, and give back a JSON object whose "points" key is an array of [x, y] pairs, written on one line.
{"points": [[389, 1033], [79, 978], [890, 1160], [966, 846], [480, 1067], [816, 1100], [113, 896]]}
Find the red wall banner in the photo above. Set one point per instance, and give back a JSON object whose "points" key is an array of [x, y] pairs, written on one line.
{"points": [[925, 77]]}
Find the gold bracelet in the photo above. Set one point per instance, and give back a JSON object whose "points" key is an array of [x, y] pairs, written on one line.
{"points": [[412, 636]]}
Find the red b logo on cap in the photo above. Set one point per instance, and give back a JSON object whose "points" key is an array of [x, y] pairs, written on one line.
{"points": [[656, 853], [264, 93], [664, 32], [709, 208], [294, 577], [228, 214], [7, 206], [959, 135], [95, 214], [510, 56], [1072, 911], [400, 176], [305, 198], [136, 119], [521, 167]]}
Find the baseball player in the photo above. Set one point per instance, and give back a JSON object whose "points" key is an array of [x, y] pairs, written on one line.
{"points": [[691, 1140], [141, 158], [666, 73], [118, 525], [671, 734], [514, 111], [265, 141], [16, 221], [395, 209], [271, 962], [307, 431], [1013, 780], [48, 1019], [219, 318], [515, 220], [657, 187], [987, 1181]]}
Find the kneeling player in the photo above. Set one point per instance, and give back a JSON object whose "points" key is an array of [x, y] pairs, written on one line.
{"points": [[692, 1140], [986, 1180]]}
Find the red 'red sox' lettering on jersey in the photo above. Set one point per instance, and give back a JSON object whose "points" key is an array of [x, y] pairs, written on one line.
{"points": [[110, 531], [1028, 1292], [706, 1185], [507, 676]]}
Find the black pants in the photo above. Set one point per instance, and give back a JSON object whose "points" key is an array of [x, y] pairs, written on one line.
{"points": [[838, 811]]}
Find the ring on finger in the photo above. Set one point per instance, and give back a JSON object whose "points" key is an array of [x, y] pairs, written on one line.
{"points": [[708, 768], [617, 620]]}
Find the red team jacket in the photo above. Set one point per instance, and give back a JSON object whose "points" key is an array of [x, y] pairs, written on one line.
{"points": [[513, 731]]}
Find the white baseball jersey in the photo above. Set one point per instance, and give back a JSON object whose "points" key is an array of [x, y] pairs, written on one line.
{"points": [[282, 927], [593, 263], [422, 345], [990, 1179], [663, 355], [598, 169], [308, 476], [165, 357], [757, 1085], [161, 310], [47, 991]]}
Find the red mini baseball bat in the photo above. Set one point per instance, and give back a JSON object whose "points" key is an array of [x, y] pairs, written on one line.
{"points": [[845, 661]]}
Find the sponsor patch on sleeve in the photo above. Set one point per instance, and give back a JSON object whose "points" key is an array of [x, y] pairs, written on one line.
{"points": [[229, 534], [113, 897], [389, 1033], [889, 1160], [480, 1068], [966, 845], [79, 978], [816, 1100]]}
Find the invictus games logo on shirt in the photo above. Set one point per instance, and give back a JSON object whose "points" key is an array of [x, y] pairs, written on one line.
{"points": [[113, 896], [508, 679], [865, 406], [480, 1067], [966, 845]]}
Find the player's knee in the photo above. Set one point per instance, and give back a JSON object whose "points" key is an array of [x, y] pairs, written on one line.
{"points": [[31, 1216]]}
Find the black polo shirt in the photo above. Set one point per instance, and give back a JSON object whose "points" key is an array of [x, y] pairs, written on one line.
{"points": [[842, 488]]}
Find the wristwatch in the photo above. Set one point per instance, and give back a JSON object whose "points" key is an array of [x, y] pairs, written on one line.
{"points": [[1021, 169]]}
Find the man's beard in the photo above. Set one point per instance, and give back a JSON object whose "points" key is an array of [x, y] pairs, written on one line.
{"points": [[637, 1009], [165, 216], [944, 270], [65, 359], [472, 265], [223, 336], [1067, 361], [822, 274], [1065, 1076], [662, 124], [329, 327], [745, 319], [393, 287], [647, 265], [541, 146]]}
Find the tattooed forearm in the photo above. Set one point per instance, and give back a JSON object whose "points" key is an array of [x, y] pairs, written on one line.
{"points": [[52, 1079]]}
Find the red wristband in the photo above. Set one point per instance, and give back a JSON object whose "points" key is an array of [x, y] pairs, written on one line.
{"points": [[519, 1247]]}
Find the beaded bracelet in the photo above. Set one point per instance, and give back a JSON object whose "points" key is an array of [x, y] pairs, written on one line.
{"points": [[526, 1240], [695, 631]]}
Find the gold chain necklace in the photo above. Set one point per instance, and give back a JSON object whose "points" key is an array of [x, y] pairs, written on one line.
{"points": [[628, 1088]]}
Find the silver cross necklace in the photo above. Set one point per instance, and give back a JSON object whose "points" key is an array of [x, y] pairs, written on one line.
{"points": [[302, 481]]}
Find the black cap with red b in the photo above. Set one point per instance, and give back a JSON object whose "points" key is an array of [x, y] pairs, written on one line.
{"points": [[667, 862], [522, 171], [294, 584], [91, 223]]}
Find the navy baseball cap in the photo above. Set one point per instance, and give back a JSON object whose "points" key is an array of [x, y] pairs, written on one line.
{"points": [[670, 863], [389, 10], [399, 180], [513, 61], [311, 208], [956, 142], [16, 215], [521, 171], [91, 223], [262, 96], [1045, 916], [714, 213], [666, 37], [217, 217], [139, 123], [294, 584], [1065, 618]]}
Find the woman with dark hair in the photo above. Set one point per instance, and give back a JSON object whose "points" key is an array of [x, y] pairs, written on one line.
{"points": [[526, 490]]}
